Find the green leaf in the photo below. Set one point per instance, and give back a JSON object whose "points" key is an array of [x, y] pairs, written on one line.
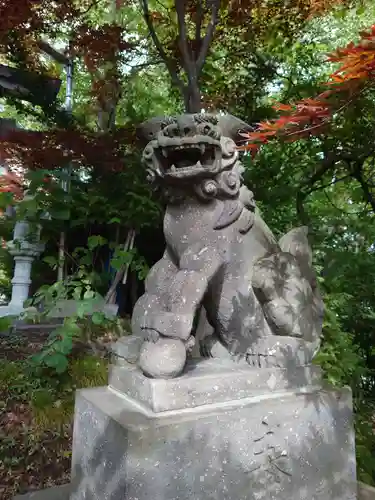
{"points": [[89, 294], [96, 241], [57, 332], [66, 345], [6, 199], [98, 318], [50, 260], [63, 214], [5, 323], [77, 293], [57, 361], [70, 326], [84, 308], [38, 358], [114, 220]]}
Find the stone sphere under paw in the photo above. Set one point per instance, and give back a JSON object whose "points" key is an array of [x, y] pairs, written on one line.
{"points": [[165, 358]]}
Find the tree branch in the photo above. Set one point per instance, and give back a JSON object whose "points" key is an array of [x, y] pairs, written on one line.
{"points": [[170, 66], [326, 165], [138, 67], [198, 25], [208, 36], [357, 174], [93, 4], [318, 188], [187, 61], [57, 56]]}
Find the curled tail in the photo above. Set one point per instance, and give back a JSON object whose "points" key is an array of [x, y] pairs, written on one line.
{"points": [[285, 284]]}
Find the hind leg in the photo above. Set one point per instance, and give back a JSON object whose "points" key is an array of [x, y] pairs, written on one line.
{"points": [[281, 352], [237, 317]]}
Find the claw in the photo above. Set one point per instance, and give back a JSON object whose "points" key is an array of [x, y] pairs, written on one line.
{"points": [[150, 335], [190, 343], [259, 359]]}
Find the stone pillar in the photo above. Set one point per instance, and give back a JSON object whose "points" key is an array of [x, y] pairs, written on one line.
{"points": [[24, 247]]}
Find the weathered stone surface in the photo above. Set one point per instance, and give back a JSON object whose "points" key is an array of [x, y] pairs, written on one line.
{"points": [[55, 493], [280, 447], [209, 381], [365, 492], [221, 256]]}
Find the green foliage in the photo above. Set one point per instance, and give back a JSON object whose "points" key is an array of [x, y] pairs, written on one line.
{"points": [[53, 409], [89, 321], [9, 372], [89, 371], [339, 356], [51, 398], [365, 441], [81, 330]]}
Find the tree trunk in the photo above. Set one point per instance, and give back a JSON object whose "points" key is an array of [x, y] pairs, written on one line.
{"points": [[191, 62], [192, 99]]}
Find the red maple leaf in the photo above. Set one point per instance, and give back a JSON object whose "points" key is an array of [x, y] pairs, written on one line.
{"points": [[311, 116]]}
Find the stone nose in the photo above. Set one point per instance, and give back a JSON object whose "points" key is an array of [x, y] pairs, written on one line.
{"points": [[171, 130], [186, 125], [179, 130]]}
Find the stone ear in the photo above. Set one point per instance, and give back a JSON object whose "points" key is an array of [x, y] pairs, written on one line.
{"points": [[232, 127], [148, 130]]}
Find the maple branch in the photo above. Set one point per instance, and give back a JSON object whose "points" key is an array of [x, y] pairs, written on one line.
{"points": [[208, 36], [170, 66]]}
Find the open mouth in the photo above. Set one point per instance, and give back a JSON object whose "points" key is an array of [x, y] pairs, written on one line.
{"points": [[187, 158]]}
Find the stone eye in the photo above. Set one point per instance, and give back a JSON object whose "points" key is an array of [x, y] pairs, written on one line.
{"points": [[148, 152]]}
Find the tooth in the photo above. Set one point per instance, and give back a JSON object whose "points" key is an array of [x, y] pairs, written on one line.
{"points": [[164, 151], [203, 148], [173, 168], [199, 164]]}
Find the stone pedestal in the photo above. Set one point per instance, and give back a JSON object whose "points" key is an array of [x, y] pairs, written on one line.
{"points": [[220, 432]]}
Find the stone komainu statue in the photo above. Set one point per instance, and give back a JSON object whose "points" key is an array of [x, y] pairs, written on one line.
{"points": [[259, 295]]}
